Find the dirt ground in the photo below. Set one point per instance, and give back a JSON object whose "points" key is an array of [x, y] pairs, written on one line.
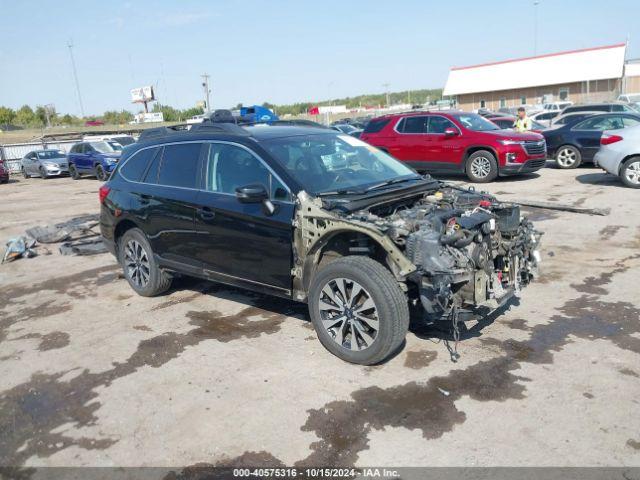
{"points": [[91, 374]]}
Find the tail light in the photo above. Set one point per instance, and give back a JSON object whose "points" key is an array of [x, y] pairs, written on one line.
{"points": [[607, 139], [103, 192]]}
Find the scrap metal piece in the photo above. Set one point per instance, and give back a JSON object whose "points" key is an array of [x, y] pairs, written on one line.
{"points": [[563, 208]]}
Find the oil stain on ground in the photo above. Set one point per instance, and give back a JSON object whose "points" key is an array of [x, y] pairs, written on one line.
{"points": [[420, 359], [31, 412]]}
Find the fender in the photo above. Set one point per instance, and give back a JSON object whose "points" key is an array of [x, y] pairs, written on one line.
{"points": [[314, 227]]}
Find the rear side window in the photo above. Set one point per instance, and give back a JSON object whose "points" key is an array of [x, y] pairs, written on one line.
{"points": [[137, 164], [180, 165], [413, 125], [152, 172], [376, 125]]}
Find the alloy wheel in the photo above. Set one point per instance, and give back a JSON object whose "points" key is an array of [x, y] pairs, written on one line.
{"points": [[136, 263], [349, 314], [632, 173], [481, 167], [567, 157]]}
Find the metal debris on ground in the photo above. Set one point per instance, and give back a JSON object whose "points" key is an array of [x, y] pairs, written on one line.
{"points": [[563, 208], [78, 235], [19, 247]]}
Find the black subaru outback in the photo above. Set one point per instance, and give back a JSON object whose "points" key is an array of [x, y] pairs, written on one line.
{"points": [[314, 216]]}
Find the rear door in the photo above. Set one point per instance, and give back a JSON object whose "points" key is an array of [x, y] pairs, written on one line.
{"points": [[242, 243], [411, 143], [83, 161], [588, 132], [166, 204]]}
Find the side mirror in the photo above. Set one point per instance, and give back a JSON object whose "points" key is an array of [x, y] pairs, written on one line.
{"points": [[252, 194], [450, 132]]}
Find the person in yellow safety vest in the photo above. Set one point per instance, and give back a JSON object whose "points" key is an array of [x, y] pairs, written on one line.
{"points": [[522, 123]]}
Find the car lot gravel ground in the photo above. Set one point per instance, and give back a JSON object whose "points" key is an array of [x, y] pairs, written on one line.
{"points": [[91, 374]]}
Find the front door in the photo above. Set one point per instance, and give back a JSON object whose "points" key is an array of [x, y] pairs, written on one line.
{"points": [[243, 243], [443, 149]]}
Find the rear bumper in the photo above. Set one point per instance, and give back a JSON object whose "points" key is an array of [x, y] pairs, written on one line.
{"points": [[529, 166]]}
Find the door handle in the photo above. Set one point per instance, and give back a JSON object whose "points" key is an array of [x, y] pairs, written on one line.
{"points": [[206, 213], [144, 198]]}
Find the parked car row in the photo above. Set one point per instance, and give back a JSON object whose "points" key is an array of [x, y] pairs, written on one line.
{"points": [[96, 157]]}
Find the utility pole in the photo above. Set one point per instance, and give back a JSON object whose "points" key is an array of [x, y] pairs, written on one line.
{"points": [[535, 26], [75, 77], [205, 85], [386, 89]]}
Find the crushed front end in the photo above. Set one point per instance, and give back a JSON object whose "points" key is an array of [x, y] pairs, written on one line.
{"points": [[471, 252]]}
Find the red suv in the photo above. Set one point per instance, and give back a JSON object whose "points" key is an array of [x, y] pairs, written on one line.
{"points": [[456, 142]]}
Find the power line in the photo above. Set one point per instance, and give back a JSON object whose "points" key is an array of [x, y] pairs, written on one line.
{"points": [[75, 77]]}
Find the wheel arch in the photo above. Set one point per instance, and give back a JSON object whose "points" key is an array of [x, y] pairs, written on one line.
{"points": [[470, 150], [627, 159], [121, 228], [341, 243]]}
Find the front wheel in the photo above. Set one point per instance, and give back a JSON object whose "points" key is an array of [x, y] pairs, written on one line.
{"points": [[482, 167], [358, 310], [630, 172], [25, 174], [101, 174], [140, 267], [43, 174], [568, 156], [73, 171]]}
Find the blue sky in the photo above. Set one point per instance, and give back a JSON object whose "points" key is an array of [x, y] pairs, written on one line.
{"points": [[279, 51]]}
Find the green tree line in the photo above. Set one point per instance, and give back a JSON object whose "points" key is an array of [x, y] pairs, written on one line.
{"points": [[414, 97]]}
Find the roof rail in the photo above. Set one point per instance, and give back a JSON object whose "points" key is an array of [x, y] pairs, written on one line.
{"points": [[162, 131], [206, 127]]}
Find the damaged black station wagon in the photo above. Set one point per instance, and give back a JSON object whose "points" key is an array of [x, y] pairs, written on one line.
{"points": [[318, 217]]}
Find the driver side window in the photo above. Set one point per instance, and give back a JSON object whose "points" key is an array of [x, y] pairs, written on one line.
{"points": [[229, 167]]}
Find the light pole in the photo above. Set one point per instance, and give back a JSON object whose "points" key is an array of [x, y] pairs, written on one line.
{"points": [[535, 26], [75, 77], [205, 85], [386, 89]]}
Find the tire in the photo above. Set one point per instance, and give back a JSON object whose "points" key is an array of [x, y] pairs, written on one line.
{"points": [[24, 173], [568, 156], [73, 172], [134, 253], [388, 304], [100, 173], [630, 172], [43, 175], [481, 167]]}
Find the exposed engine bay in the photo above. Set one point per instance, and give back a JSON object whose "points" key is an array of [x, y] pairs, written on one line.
{"points": [[454, 250], [470, 250]]}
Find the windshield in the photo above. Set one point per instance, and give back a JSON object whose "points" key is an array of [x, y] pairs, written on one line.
{"points": [[472, 121], [335, 163], [47, 154], [124, 141], [106, 146]]}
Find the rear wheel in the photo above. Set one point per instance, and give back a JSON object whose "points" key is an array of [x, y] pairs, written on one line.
{"points": [[73, 172], [140, 267], [568, 156], [358, 310], [482, 167], [630, 172], [100, 173]]}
